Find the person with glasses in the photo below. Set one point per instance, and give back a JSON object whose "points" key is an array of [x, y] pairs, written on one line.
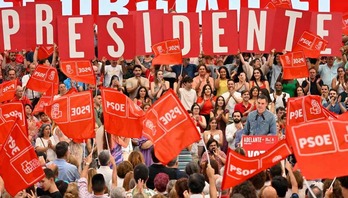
{"points": [[214, 153]]}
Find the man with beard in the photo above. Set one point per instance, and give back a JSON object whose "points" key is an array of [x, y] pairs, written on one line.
{"points": [[214, 153], [133, 84], [334, 105], [233, 129], [18, 67], [245, 107]]}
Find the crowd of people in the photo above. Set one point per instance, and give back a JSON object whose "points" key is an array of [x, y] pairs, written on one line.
{"points": [[226, 96]]}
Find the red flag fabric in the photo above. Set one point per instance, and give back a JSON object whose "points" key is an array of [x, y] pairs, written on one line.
{"points": [[9, 113], [294, 65], [168, 125], [121, 114], [43, 78], [239, 168], [345, 23], [8, 90], [167, 52], [74, 114], [45, 52], [80, 70], [273, 4], [19, 165], [310, 44]]}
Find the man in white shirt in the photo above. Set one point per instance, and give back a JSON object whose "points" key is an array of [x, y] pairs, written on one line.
{"points": [[116, 68], [186, 94], [104, 169], [233, 129], [31, 94], [232, 97], [134, 83]]}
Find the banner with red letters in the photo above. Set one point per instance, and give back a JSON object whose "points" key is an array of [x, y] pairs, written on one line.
{"points": [[253, 31], [294, 65], [13, 29], [310, 44], [19, 165], [121, 114], [8, 90], [214, 34], [79, 70], [257, 144], [167, 52], [239, 168], [168, 125], [114, 37], [76, 37], [186, 28], [42, 23], [9, 114], [74, 114], [43, 78]]}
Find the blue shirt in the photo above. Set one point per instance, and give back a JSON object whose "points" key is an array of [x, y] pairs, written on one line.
{"points": [[66, 171], [335, 108], [264, 124], [190, 70]]}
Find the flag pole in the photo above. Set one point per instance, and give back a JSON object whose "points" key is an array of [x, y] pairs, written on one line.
{"points": [[206, 150], [309, 187], [332, 183]]}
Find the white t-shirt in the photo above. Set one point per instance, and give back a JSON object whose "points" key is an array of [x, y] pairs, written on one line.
{"points": [[231, 102], [110, 71], [41, 142], [187, 98]]}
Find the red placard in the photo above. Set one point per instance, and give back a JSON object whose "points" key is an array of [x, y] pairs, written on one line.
{"points": [[43, 78], [310, 44], [118, 108], [186, 28], [329, 27], [288, 28], [13, 32], [165, 124], [76, 37], [81, 71], [273, 4], [345, 23], [167, 52], [42, 22], [74, 114], [255, 30], [258, 144], [8, 90], [220, 34], [45, 52], [114, 38], [19, 162], [294, 65], [239, 168], [9, 114], [148, 30]]}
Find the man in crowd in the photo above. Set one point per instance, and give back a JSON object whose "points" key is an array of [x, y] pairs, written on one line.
{"points": [[233, 129], [232, 97], [186, 94], [48, 184], [313, 85], [334, 105], [134, 83], [245, 107]]}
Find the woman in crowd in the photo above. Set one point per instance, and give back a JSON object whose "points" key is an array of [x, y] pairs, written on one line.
{"points": [[338, 83], [200, 123], [254, 93], [221, 115], [202, 79], [116, 84], [299, 92], [206, 101], [142, 97], [159, 86], [259, 80], [46, 142], [289, 86], [32, 122], [213, 132], [242, 83], [221, 81]]}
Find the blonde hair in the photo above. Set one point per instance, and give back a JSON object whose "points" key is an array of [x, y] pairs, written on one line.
{"points": [[72, 191], [91, 173]]}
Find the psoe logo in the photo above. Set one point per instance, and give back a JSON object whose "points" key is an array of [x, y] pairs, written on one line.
{"points": [[315, 109], [29, 167], [149, 124], [276, 158], [51, 76], [55, 113]]}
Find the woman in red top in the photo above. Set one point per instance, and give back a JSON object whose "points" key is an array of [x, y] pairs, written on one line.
{"points": [[206, 101], [142, 97], [259, 80]]}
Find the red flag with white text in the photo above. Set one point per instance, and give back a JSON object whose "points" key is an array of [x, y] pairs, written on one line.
{"points": [[310, 44], [167, 52], [273, 4], [43, 78], [74, 114], [9, 114], [121, 114], [294, 65], [45, 52], [79, 70], [239, 168], [19, 165], [8, 90], [168, 125]]}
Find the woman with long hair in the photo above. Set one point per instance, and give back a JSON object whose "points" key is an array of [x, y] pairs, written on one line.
{"points": [[201, 124], [221, 80], [242, 83], [259, 80], [206, 101], [254, 93], [116, 84], [299, 92], [213, 132], [46, 142], [338, 83], [221, 115], [159, 86], [32, 122], [202, 79], [142, 97]]}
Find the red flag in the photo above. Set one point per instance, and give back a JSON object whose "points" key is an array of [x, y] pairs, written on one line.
{"points": [[345, 23], [273, 4], [8, 90], [294, 65], [74, 114], [20, 167], [168, 125], [310, 44], [9, 113], [45, 52], [81, 70], [239, 168], [121, 114], [167, 52], [43, 78]]}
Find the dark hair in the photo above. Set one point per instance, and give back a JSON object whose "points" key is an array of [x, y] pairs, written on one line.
{"points": [[192, 167], [42, 128], [280, 184], [216, 105], [203, 90], [296, 90], [49, 173], [172, 162], [62, 186], [262, 77], [196, 183], [113, 78], [344, 181], [187, 79], [180, 186], [244, 91], [280, 109], [138, 93], [193, 106], [61, 149], [153, 156], [262, 96], [252, 89], [246, 189], [201, 65], [98, 183], [258, 180], [241, 115], [212, 140], [275, 170], [227, 73], [141, 172], [123, 168], [137, 66]]}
